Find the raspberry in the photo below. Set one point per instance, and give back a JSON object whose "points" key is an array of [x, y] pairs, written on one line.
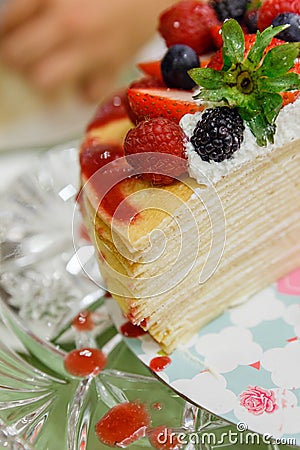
{"points": [[161, 136], [271, 8], [145, 82], [218, 134], [188, 22]]}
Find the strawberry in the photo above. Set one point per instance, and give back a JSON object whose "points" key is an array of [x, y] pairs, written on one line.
{"points": [[188, 22], [215, 32], [290, 97], [161, 146], [271, 8], [145, 82], [252, 77], [216, 61], [151, 68], [169, 103], [112, 109]]}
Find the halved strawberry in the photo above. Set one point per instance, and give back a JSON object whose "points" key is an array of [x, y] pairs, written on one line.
{"points": [[151, 68], [169, 103], [291, 96]]}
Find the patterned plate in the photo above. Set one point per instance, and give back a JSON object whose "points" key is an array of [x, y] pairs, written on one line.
{"points": [[245, 365]]}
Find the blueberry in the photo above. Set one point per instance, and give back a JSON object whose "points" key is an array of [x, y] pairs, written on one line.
{"points": [[175, 64], [292, 33]]}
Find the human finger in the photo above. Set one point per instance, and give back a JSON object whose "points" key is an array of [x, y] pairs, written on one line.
{"points": [[28, 43], [15, 12]]}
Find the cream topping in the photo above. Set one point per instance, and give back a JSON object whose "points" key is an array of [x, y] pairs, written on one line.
{"points": [[288, 130]]}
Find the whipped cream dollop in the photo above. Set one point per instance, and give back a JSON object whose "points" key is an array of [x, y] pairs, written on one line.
{"points": [[288, 130]]}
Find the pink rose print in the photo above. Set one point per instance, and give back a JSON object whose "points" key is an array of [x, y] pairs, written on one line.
{"points": [[290, 284], [258, 400]]}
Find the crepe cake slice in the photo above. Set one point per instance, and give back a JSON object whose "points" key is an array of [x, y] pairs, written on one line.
{"points": [[176, 256]]}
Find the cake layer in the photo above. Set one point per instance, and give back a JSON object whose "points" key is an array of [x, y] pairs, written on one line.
{"points": [[241, 235]]}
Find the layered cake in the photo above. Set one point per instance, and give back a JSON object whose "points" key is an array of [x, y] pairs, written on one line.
{"points": [[191, 176]]}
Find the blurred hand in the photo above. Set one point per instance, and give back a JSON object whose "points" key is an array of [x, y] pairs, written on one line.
{"points": [[81, 42]]}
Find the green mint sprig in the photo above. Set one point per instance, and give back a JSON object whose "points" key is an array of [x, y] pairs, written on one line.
{"points": [[251, 83]]}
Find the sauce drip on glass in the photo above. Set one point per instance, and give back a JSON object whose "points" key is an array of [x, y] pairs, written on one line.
{"points": [[123, 424], [85, 361]]}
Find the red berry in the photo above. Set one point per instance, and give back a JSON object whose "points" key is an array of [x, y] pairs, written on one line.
{"points": [[151, 68], [216, 61], [112, 109], [290, 97], [161, 136], [188, 22], [271, 8], [216, 35], [145, 82], [169, 103]]}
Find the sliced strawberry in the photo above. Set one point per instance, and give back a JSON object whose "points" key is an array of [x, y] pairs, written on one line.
{"points": [[169, 103], [151, 68]]}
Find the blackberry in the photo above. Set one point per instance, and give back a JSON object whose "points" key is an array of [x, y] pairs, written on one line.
{"points": [[218, 134], [226, 9], [250, 20], [291, 34]]}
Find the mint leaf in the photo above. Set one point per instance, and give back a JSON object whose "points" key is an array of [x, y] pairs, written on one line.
{"points": [[233, 43], [208, 78], [262, 41], [279, 60], [287, 82]]}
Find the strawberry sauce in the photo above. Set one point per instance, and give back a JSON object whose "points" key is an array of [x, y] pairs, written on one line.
{"points": [[104, 167], [123, 424], [83, 321], [131, 331], [159, 363], [113, 109], [85, 362]]}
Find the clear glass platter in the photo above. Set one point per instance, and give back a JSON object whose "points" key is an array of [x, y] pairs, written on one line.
{"points": [[50, 308]]}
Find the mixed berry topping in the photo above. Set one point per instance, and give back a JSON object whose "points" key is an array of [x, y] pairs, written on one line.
{"points": [[175, 65], [188, 22], [271, 8], [157, 136], [226, 9], [251, 80], [218, 134], [292, 33]]}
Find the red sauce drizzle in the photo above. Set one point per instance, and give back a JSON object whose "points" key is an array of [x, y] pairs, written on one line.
{"points": [[83, 321], [85, 362], [131, 331], [158, 406], [123, 424], [160, 363], [94, 156], [113, 109], [163, 438]]}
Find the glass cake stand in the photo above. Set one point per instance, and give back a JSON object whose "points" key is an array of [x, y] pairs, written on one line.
{"points": [[49, 307]]}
